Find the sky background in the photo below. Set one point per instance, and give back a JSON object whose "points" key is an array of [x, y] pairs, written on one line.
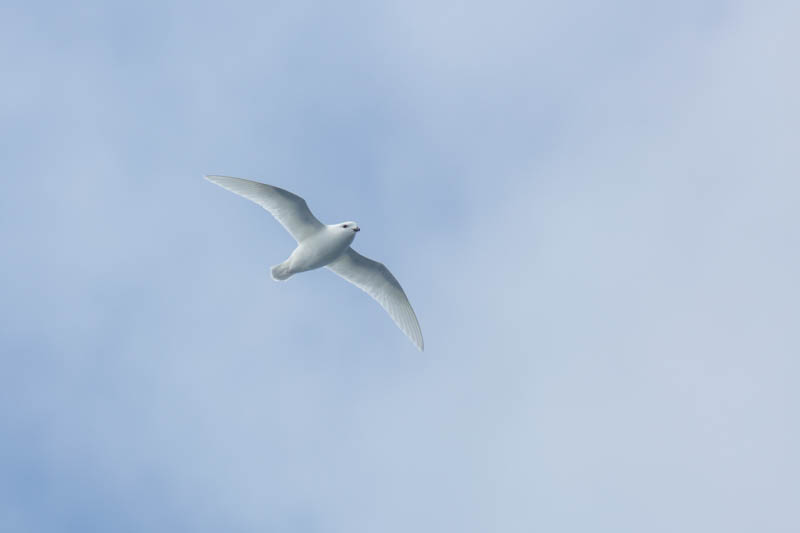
{"points": [[592, 207]]}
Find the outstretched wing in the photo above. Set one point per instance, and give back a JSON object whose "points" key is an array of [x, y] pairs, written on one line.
{"points": [[376, 280], [289, 209]]}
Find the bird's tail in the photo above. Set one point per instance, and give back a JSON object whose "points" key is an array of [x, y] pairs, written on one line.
{"points": [[281, 272]]}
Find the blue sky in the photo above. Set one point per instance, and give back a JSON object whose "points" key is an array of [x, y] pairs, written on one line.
{"points": [[593, 210]]}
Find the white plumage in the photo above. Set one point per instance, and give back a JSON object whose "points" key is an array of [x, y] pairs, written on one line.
{"points": [[321, 245]]}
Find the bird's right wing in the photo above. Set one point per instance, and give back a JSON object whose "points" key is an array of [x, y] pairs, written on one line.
{"points": [[376, 280], [289, 209]]}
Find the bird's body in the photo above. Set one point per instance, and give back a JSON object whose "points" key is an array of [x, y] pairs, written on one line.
{"points": [[320, 245], [316, 251]]}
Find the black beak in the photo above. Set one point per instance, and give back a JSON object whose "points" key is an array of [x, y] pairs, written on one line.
{"points": [[357, 229]]}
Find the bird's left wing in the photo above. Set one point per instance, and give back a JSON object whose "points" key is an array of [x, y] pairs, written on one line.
{"points": [[288, 208], [376, 280]]}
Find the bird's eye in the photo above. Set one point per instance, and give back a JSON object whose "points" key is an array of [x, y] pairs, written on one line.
{"points": [[344, 226]]}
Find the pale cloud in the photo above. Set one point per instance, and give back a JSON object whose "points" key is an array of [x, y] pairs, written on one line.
{"points": [[628, 368]]}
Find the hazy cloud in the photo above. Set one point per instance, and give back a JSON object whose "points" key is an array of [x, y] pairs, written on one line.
{"points": [[603, 200]]}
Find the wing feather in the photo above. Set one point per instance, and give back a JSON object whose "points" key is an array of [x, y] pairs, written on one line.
{"points": [[288, 208], [375, 279]]}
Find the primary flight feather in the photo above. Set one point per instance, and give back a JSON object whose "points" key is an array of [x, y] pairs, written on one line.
{"points": [[321, 245]]}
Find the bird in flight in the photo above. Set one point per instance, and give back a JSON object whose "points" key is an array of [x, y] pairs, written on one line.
{"points": [[327, 245]]}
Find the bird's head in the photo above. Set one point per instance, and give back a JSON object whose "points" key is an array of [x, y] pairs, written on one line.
{"points": [[348, 227]]}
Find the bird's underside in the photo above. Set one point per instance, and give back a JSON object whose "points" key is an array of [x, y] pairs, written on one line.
{"points": [[321, 245]]}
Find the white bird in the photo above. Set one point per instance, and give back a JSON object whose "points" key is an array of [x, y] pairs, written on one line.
{"points": [[321, 245]]}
